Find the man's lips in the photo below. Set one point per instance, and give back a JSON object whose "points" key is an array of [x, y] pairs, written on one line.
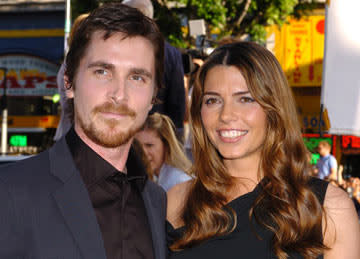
{"points": [[114, 114]]}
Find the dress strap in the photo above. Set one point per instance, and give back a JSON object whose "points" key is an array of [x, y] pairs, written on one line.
{"points": [[319, 187]]}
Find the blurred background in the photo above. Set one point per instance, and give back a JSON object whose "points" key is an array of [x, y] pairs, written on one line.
{"points": [[33, 43]]}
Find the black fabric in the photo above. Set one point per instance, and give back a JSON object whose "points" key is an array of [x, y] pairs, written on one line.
{"points": [[172, 97], [248, 240], [116, 199]]}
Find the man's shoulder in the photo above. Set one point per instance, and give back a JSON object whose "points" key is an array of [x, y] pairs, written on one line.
{"points": [[152, 188], [332, 158], [156, 196], [26, 170]]}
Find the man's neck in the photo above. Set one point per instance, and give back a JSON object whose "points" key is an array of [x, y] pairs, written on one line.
{"points": [[117, 156]]}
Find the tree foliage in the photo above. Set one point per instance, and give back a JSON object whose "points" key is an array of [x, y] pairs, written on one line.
{"points": [[233, 18]]}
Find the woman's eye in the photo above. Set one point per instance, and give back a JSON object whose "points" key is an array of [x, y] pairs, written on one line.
{"points": [[211, 100], [246, 99]]}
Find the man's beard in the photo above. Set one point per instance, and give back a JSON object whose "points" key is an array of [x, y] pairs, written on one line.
{"points": [[105, 136]]}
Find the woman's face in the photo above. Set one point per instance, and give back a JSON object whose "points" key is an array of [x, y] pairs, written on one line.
{"points": [[153, 147], [233, 120]]}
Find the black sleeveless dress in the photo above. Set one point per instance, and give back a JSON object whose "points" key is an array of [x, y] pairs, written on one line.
{"points": [[242, 242]]}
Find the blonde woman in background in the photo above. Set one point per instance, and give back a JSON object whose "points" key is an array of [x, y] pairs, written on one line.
{"points": [[167, 160]]}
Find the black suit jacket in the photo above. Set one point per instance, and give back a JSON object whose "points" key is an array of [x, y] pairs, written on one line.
{"points": [[172, 96], [46, 212]]}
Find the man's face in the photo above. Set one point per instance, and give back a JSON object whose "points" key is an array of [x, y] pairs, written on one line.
{"points": [[323, 150], [113, 89]]}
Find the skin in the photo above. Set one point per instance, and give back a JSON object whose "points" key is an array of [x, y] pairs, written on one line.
{"points": [[342, 234], [153, 147], [113, 91], [228, 106], [234, 122]]}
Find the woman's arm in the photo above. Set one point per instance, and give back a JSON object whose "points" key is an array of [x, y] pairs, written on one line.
{"points": [[342, 231], [176, 198]]}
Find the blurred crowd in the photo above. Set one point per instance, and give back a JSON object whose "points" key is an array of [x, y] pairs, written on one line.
{"points": [[326, 168]]}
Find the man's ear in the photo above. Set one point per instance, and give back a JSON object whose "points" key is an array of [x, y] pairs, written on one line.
{"points": [[69, 89], [150, 106], [153, 99]]}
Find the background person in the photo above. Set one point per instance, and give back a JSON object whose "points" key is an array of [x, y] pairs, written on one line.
{"points": [[171, 98], [327, 164], [66, 116], [165, 154], [88, 196], [252, 196]]}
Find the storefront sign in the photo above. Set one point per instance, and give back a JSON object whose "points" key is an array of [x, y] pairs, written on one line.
{"points": [[348, 142], [312, 122], [28, 75], [299, 47]]}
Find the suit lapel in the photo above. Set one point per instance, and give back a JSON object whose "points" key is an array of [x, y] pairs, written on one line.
{"points": [[74, 203], [156, 222]]}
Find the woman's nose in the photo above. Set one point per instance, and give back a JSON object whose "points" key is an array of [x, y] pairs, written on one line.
{"points": [[227, 113]]}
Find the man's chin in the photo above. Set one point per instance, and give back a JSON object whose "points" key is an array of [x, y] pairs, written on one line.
{"points": [[111, 140]]}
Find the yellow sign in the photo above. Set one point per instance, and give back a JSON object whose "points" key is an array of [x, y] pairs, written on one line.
{"points": [[299, 47], [46, 121]]}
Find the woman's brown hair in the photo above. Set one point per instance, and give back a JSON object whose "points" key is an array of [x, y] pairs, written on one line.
{"points": [[286, 206]]}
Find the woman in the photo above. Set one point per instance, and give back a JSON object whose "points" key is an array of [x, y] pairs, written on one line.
{"points": [[167, 160], [252, 196]]}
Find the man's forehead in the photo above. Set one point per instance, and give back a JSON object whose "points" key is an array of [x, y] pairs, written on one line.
{"points": [[104, 36], [97, 39]]}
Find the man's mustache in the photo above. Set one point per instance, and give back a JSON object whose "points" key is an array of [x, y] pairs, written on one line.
{"points": [[120, 109]]}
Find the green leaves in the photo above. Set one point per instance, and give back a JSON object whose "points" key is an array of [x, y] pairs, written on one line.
{"points": [[233, 18]]}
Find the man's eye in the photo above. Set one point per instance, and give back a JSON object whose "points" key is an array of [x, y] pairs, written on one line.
{"points": [[137, 78], [101, 72]]}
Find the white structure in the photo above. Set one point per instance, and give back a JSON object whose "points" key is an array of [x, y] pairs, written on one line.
{"points": [[341, 75]]}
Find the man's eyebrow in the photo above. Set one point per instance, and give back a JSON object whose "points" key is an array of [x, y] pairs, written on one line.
{"points": [[101, 64], [141, 71]]}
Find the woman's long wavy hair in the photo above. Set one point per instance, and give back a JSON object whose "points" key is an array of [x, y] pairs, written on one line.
{"points": [[174, 151], [286, 206]]}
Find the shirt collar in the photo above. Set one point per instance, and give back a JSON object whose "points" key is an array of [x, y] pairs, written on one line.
{"points": [[93, 168]]}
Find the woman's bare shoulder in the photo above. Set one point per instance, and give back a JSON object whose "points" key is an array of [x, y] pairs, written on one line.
{"points": [[176, 198], [342, 232]]}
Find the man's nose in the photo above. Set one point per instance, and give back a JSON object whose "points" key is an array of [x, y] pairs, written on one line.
{"points": [[117, 90]]}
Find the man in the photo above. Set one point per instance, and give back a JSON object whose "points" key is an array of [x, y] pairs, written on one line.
{"points": [[326, 165], [171, 98], [88, 196]]}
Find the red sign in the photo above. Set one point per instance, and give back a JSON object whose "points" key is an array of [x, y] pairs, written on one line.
{"points": [[27, 75], [350, 142]]}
